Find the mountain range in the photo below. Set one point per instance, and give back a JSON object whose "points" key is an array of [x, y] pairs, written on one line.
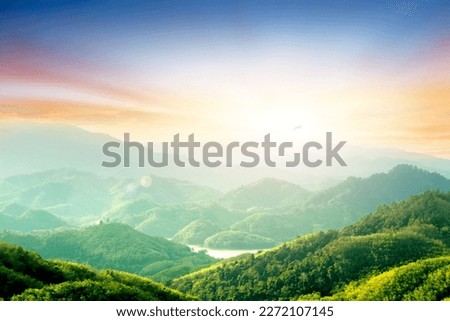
{"points": [[344, 264], [30, 147], [400, 251], [255, 216], [342, 204], [377, 230]]}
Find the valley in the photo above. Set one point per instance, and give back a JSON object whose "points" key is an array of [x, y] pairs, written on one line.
{"points": [[269, 240]]}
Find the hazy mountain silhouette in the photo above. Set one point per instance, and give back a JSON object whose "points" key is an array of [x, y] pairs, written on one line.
{"points": [[33, 147]]}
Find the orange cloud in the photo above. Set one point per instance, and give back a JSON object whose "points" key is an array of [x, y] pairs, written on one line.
{"points": [[418, 120], [60, 111], [26, 63], [110, 120]]}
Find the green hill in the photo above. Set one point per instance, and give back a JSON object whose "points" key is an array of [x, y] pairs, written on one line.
{"points": [[72, 195], [265, 193], [196, 232], [26, 276], [114, 246], [130, 212], [81, 197], [428, 213], [365, 194], [21, 219], [241, 240], [270, 211], [343, 204], [322, 263], [162, 191], [166, 221], [193, 223], [424, 280], [267, 212], [12, 209]]}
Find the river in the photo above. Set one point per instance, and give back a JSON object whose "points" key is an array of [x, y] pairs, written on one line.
{"points": [[221, 254]]}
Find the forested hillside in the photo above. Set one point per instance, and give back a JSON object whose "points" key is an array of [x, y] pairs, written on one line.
{"points": [[255, 216], [265, 193], [28, 220], [322, 263], [115, 246], [424, 280], [25, 275], [343, 204]]}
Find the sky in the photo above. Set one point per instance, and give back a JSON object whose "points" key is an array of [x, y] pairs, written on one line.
{"points": [[375, 73]]}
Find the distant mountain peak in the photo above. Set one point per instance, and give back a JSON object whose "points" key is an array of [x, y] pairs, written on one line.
{"points": [[266, 192], [407, 168], [271, 181]]}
